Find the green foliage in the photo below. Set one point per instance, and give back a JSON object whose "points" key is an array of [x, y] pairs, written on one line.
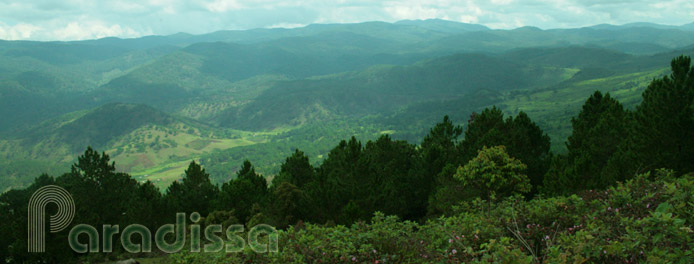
{"points": [[316, 140], [244, 192], [648, 218], [484, 129], [370, 91], [285, 205], [93, 166], [528, 143], [296, 170], [522, 138], [597, 132], [355, 180], [101, 196], [336, 184], [663, 124], [203, 82], [449, 193], [18, 173], [438, 148], [223, 218], [193, 193], [495, 173], [105, 123], [641, 220], [387, 175], [389, 179]]}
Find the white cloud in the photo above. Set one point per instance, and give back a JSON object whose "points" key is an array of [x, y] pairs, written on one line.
{"points": [[80, 19], [501, 2], [413, 12], [468, 19], [128, 7], [91, 30], [71, 31], [219, 6], [17, 32]]}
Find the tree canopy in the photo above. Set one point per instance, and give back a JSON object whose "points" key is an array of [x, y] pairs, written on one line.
{"points": [[495, 173]]}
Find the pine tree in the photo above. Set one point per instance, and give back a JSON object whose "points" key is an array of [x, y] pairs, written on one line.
{"points": [[242, 193], [391, 182], [597, 132], [662, 134], [484, 129], [94, 183], [193, 193], [335, 182], [285, 205], [93, 166], [296, 170], [438, 148], [522, 138], [528, 143]]}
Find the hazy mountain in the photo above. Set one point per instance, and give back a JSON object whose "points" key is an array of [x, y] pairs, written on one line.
{"points": [[443, 25], [384, 89], [155, 102], [636, 40], [689, 26], [95, 127], [573, 57]]}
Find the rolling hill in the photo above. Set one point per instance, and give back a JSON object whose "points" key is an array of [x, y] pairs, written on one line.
{"points": [[157, 102], [384, 89], [140, 139]]}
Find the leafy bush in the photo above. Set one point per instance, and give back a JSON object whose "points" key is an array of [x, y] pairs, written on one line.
{"points": [[645, 220]]}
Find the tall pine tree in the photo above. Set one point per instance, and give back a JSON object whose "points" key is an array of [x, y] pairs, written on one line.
{"points": [[242, 193], [193, 194], [597, 132], [439, 150], [662, 134], [296, 170]]}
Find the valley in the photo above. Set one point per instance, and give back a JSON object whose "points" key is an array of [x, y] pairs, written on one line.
{"points": [[156, 103]]}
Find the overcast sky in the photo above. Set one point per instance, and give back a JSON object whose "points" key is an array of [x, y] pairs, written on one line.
{"points": [[88, 19]]}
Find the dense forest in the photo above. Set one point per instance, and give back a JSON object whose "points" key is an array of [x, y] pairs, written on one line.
{"points": [[488, 190]]}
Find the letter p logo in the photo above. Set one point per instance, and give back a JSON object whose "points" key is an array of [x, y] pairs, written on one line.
{"points": [[37, 221]]}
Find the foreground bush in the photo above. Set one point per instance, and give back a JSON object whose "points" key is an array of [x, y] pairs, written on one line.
{"points": [[645, 220]]}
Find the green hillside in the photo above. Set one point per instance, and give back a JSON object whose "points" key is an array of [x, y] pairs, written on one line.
{"points": [[140, 139], [43, 80], [553, 107], [415, 141], [383, 89], [155, 102]]}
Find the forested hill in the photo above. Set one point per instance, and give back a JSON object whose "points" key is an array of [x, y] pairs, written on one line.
{"points": [[492, 191], [154, 103], [384, 89]]}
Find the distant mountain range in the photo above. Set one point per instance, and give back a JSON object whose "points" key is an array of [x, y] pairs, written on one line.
{"points": [[685, 27]]}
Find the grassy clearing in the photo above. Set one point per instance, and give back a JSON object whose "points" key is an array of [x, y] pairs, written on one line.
{"points": [[162, 175], [161, 154], [553, 108]]}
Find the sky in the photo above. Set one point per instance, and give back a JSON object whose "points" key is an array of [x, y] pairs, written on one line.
{"points": [[89, 19]]}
